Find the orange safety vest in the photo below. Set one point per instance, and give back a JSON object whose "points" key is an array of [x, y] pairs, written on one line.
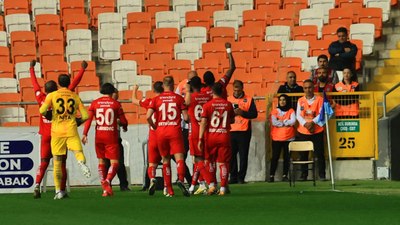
{"points": [[350, 109], [309, 112], [241, 124], [282, 133]]}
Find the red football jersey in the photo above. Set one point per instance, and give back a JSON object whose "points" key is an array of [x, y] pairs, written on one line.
{"points": [[168, 107], [106, 110], [219, 114], [145, 103], [224, 81], [197, 100]]}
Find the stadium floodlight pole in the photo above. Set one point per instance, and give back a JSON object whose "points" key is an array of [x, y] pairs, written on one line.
{"points": [[329, 150]]}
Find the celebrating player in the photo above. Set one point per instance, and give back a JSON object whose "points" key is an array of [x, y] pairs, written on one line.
{"points": [[216, 118], [64, 132], [106, 110], [153, 154], [168, 107], [195, 102], [45, 126]]}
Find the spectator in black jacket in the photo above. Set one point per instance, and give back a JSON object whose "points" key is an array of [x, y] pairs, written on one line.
{"points": [[342, 52], [290, 85]]}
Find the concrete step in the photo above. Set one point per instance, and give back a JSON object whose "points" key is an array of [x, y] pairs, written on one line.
{"points": [[391, 62], [395, 78], [388, 70]]}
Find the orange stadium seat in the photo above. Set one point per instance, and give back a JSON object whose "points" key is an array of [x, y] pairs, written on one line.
{"points": [[154, 68], [10, 97], [222, 34], [251, 34], [71, 7], [198, 19], [305, 32], [168, 36], [261, 106], [133, 52], [51, 70], [23, 54], [47, 22], [350, 4], [292, 63], [211, 5], [359, 44], [6, 70], [268, 49], [90, 81], [286, 17], [319, 47], [51, 53], [32, 115], [159, 51], [100, 6], [75, 21], [203, 65], [295, 5], [2, 23], [4, 54], [23, 39], [16, 7], [50, 37], [153, 6], [26, 89], [138, 36], [214, 50], [139, 20], [329, 32], [255, 18], [15, 124], [261, 66], [268, 4], [178, 68], [341, 16], [125, 95], [242, 49], [374, 16]]}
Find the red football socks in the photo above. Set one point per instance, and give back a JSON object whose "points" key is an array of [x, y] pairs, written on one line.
{"points": [[180, 166]]}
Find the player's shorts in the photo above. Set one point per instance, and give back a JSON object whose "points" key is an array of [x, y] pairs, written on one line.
{"points": [[107, 150], [45, 147], [153, 154], [220, 153], [59, 145], [170, 145], [194, 150]]}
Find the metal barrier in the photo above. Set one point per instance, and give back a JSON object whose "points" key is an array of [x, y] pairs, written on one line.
{"points": [[384, 97]]}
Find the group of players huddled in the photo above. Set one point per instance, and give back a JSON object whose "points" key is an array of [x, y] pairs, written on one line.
{"points": [[204, 106]]}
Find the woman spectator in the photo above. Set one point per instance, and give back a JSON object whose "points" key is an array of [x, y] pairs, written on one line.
{"points": [[347, 105], [283, 119]]}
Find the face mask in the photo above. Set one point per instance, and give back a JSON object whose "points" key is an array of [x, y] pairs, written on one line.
{"points": [[322, 79]]}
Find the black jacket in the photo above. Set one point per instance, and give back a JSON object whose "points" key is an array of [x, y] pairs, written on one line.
{"points": [[345, 59]]}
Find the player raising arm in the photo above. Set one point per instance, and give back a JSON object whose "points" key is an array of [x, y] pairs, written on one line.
{"points": [[64, 132]]}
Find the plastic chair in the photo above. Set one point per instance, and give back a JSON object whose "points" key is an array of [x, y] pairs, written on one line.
{"points": [[75, 21], [251, 34], [109, 21], [268, 4], [306, 32], [211, 5], [43, 7], [319, 47], [123, 71], [239, 6], [50, 38], [2, 23], [341, 16], [296, 49], [222, 34], [383, 4], [22, 39], [261, 66], [159, 51], [199, 19], [213, 50], [4, 54], [47, 22], [127, 6], [6, 70], [26, 89], [203, 65], [268, 49], [51, 70], [312, 17], [284, 17], [138, 36], [187, 51], [81, 37], [350, 3], [12, 114], [374, 16], [100, 6], [168, 19], [242, 50], [226, 18], [51, 53], [18, 22], [329, 32], [178, 68], [364, 32], [167, 36], [301, 147], [194, 35], [109, 42], [23, 54], [139, 20], [132, 52], [15, 7], [324, 6], [183, 6], [71, 7], [154, 68], [22, 71], [255, 18]]}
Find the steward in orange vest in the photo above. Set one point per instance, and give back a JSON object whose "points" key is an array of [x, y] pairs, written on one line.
{"points": [[347, 106], [245, 110]]}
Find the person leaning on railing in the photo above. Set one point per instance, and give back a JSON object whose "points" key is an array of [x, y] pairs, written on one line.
{"points": [[347, 106]]}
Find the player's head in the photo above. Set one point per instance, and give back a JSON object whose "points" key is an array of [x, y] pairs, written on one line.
{"points": [[158, 87], [115, 94], [107, 89], [168, 83], [50, 86], [291, 78], [342, 34], [238, 89], [64, 80], [209, 78], [195, 83], [217, 89]]}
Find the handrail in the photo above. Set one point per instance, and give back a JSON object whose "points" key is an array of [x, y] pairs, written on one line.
{"points": [[384, 97]]}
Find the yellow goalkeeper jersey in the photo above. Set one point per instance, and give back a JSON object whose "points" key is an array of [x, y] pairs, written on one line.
{"points": [[65, 105]]}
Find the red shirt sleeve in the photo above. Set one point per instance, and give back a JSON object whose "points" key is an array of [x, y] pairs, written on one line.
{"points": [[36, 86], [152, 104], [76, 80], [204, 112], [89, 121], [122, 118]]}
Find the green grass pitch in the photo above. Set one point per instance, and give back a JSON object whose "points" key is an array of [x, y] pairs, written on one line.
{"points": [[355, 202]]}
